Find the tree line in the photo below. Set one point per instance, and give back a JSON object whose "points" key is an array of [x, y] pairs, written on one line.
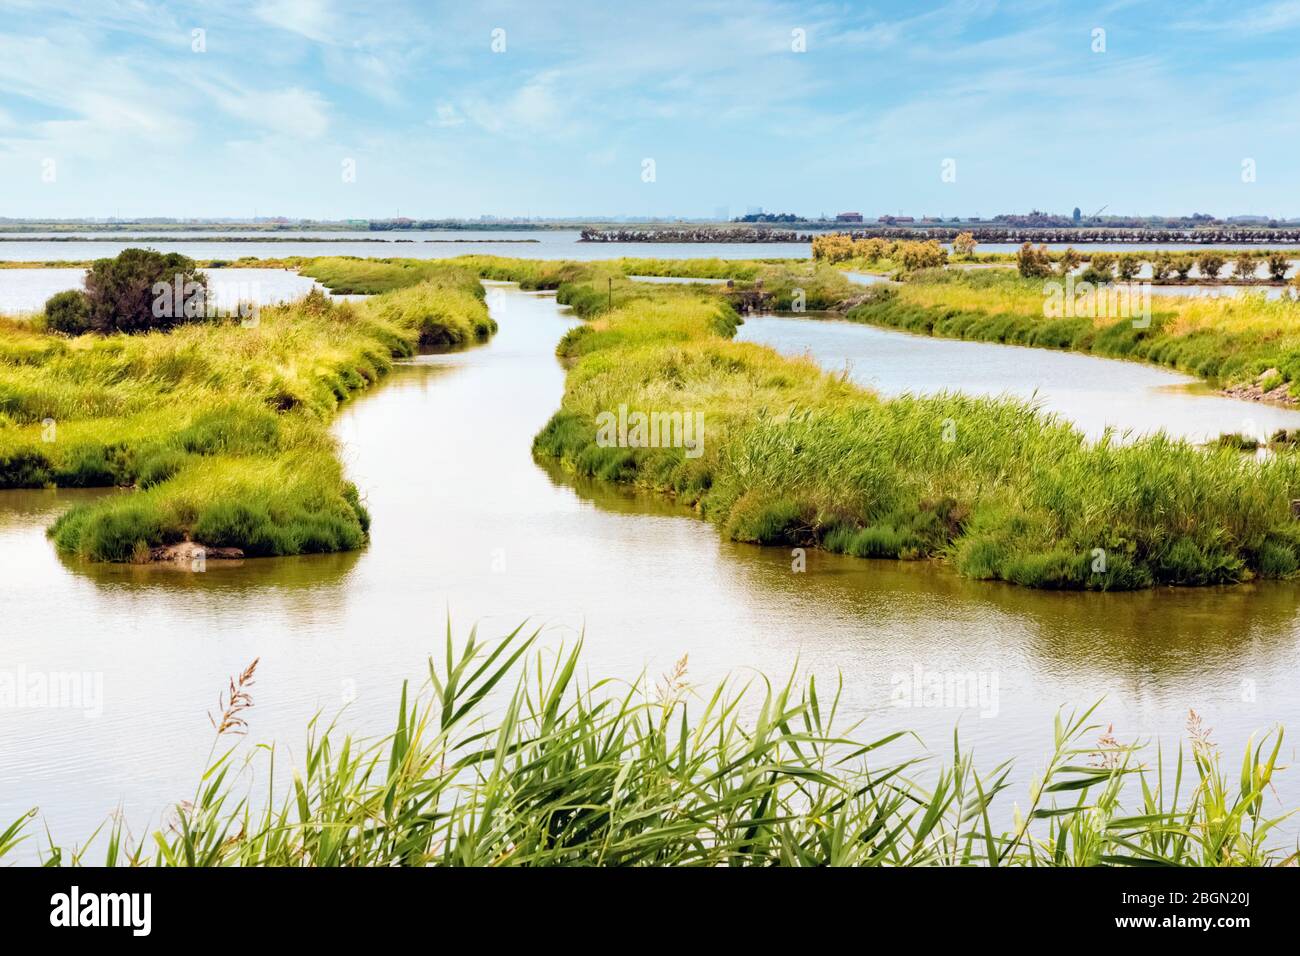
{"points": [[1038, 261]]}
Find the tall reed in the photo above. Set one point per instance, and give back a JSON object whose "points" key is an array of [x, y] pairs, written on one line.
{"points": [[505, 758]]}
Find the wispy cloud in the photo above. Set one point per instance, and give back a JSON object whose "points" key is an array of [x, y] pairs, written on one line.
{"points": [[290, 112], [1258, 22], [313, 20], [806, 105]]}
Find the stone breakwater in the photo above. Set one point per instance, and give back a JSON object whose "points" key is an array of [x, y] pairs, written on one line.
{"points": [[694, 235], [1203, 236]]}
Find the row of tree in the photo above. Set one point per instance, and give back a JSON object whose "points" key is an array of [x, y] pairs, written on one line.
{"points": [[1037, 261]]}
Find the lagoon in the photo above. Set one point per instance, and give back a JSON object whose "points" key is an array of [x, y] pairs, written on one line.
{"points": [[26, 290], [542, 244], [467, 523], [1093, 393]]}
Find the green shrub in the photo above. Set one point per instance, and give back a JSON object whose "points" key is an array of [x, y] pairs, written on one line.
{"points": [[141, 289], [1033, 262], [1210, 263], [1104, 263], [1245, 265], [1128, 265], [68, 312]]}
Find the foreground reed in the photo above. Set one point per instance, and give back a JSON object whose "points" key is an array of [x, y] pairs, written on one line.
{"points": [[504, 758]]}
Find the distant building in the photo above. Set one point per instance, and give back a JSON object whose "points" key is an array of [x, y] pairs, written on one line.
{"points": [[848, 217], [890, 220]]}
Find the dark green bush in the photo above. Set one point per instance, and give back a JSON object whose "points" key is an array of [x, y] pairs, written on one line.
{"points": [[141, 289], [68, 312]]}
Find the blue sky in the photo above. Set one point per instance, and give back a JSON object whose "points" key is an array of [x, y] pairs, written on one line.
{"points": [[112, 97]]}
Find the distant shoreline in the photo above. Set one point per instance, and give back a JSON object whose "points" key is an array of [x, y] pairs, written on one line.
{"points": [[982, 234], [218, 237]]}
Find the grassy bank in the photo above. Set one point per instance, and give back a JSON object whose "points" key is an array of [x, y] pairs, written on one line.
{"points": [[220, 430], [1226, 341], [797, 457], [348, 274], [506, 759], [588, 285]]}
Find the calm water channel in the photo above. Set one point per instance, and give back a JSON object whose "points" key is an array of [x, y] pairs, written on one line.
{"points": [[466, 523]]}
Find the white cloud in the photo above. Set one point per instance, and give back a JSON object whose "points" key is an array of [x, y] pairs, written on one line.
{"points": [[447, 115], [1284, 15], [313, 19], [293, 111], [101, 98], [532, 108]]}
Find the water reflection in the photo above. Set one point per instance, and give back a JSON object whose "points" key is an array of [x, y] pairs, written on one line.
{"points": [[1105, 633]]}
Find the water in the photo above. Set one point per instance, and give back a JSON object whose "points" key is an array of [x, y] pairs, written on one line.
{"points": [[547, 244], [465, 521], [676, 280], [442, 244], [868, 278], [25, 290], [1092, 393], [1220, 291]]}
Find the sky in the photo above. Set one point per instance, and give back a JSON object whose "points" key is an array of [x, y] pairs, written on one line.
{"points": [[331, 109]]}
